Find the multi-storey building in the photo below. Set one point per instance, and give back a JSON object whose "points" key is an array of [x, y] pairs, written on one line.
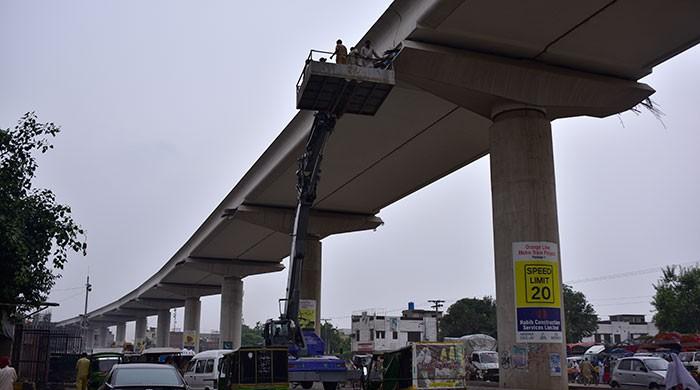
{"points": [[372, 332]]}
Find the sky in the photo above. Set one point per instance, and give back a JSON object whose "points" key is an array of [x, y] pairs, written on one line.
{"points": [[164, 105]]}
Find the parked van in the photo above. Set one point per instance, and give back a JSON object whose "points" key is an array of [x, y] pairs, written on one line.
{"points": [[203, 370]]}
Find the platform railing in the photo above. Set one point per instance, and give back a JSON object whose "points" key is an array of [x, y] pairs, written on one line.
{"points": [[312, 54]]}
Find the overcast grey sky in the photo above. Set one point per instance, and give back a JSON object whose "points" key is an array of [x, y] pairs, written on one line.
{"points": [[164, 105]]}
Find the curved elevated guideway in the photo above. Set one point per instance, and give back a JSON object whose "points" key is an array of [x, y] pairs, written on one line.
{"points": [[473, 77]]}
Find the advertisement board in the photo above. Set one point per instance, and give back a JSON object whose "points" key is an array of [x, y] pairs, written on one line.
{"points": [[537, 292], [439, 365], [190, 339], [307, 313]]}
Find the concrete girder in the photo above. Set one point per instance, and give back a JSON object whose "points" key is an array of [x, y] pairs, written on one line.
{"points": [[133, 312], [231, 267], [158, 303], [480, 82], [187, 290], [321, 223]]}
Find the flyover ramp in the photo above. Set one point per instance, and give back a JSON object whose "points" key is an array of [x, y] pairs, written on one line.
{"points": [[416, 137]]}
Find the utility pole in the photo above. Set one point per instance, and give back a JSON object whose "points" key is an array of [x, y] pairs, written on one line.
{"points": [[88, 288], [324, 329], [437, 304]]}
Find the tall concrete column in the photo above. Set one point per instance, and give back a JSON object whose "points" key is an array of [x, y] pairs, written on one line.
{"points": [[311, 278], [102, 336], [524, 209], [163, 330], [140, 332], [88, 339], [192, 317], [121, 334], [231, 311]]}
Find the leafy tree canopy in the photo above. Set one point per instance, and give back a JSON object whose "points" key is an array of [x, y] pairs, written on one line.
{"points": [[677, 300], [252, 337], [580, 318], [37, 233], [336, 342], [470, 316]]}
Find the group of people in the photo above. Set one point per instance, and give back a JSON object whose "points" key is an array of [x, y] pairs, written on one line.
{"points": [[364, 56], [588, 373]]}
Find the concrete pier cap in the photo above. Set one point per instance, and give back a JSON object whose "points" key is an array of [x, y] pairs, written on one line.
{"points": [[480, 82]]}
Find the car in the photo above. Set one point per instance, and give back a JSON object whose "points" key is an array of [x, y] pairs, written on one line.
{"points": [[644, 371], [137, 376], [203, 370]]}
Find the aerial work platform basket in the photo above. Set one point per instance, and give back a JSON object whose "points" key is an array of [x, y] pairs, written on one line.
{"points": [[343, 88]]}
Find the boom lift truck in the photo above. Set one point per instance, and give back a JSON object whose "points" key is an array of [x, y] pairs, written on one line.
{"points": [[331, 90]]}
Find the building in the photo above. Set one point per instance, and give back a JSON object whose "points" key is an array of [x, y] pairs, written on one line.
{"points": [[371, 332], [622, 327]]}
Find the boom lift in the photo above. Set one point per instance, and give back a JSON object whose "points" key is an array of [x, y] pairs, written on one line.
{"points": [[331, 90]]}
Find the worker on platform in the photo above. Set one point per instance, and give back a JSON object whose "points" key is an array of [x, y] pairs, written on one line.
{"points": [[353, 57], [8, 375], [82, 368], [367, 54], [340, 53]]}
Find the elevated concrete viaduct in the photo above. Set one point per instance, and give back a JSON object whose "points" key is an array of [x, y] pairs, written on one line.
{"points": [[474, 77]]}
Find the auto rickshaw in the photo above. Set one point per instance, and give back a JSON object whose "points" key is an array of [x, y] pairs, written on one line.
{"points": [[256, 368], [101, 362]]}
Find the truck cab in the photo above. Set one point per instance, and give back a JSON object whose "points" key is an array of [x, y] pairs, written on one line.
{"points": [[485, 365]]}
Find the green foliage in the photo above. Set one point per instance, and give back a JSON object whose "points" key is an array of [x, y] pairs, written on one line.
{"points": [[252, 337], [677, 300], [470, 316], [580, 318], [336, 342], [37, 233]]}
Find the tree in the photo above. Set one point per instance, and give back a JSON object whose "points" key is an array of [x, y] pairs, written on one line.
{"points": [[677, 300], [37, 232], [252, 337], [336, 342], [580, 317], [470, 316]]}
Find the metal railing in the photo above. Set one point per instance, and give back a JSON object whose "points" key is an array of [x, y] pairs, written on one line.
{"points": [[384, 62]]}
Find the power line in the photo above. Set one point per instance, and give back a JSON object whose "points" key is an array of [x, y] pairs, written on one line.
{"points": [[628, 274]]}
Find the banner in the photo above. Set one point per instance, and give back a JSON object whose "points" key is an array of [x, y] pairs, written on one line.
{"points": [[439, 365], [537, 292], [307, 313], [190, 338]]}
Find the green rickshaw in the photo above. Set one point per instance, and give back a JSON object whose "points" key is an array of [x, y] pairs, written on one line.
{"points": [[254, 368]]}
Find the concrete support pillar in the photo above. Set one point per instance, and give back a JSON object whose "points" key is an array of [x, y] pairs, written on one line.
{"points": [[231, 312], [102, 336], [163, 329], [140, 333], [121, 334], [524, 210], [311, 278], [88, 339], [192, 317]]}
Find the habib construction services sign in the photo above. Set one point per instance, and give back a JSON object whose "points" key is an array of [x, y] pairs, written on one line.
{"points": [[537, 292]]}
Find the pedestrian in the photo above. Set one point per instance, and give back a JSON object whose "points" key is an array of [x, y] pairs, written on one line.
{"points": [[82, 368], [8, 375], [367, 54], [678, 377], [601, 372], [340, 53], [587, 372], [353, 57]]}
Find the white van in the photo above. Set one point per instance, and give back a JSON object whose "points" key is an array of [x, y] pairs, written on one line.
{"points": [[203, 370]]}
